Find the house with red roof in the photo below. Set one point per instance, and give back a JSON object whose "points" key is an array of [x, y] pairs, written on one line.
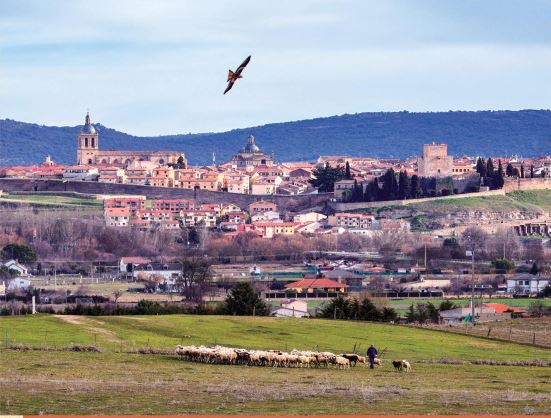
{"points": [[316, 288]]}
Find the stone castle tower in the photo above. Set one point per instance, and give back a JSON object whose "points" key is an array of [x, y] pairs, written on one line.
{"points": [[88, 143]]}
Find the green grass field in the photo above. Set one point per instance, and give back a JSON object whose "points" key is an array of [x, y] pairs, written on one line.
{"points": [[113, 382], [404, 304], [47, 200]]}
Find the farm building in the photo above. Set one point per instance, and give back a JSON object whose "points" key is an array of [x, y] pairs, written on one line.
{"points": [[166, 270], [19, 283], [526, 284], [486, 312], [292, 309], [314, 288], [19, 268]]}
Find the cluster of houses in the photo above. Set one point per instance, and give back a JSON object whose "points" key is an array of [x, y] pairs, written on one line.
{"points": [[260, 217]]}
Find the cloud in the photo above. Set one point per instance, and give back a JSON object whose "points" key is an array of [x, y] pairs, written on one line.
{"points": [[154, 67]]}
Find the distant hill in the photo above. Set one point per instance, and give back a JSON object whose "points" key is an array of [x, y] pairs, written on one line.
{"points": [[388, 135]]}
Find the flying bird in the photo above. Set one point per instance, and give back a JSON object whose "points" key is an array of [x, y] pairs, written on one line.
{"points": [[233, 76]]}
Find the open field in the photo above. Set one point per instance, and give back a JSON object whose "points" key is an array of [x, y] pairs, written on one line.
{"points": [[47, 200], [522, 330], [39, 382], [516, 302], [539, 198], [167, 331]]}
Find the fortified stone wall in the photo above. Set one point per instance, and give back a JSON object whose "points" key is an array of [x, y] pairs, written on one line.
{"points": [[538, 183], [285, 203], [340, 207]]}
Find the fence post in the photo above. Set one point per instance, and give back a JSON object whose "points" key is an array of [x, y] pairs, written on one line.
{"points": [[489, 330], [534, 339]]}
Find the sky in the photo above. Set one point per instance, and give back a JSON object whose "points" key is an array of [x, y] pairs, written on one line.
{"points": [[155, 67]]}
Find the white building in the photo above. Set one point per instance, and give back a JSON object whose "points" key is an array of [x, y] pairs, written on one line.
{"points": [[19, 268], [19, 283], [527, 284], [292, 309], [266, 217], [80, 173]]}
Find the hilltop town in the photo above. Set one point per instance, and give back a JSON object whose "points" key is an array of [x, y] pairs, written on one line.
{"points": [[253, 192]]}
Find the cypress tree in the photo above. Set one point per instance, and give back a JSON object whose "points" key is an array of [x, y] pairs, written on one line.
{"points": [[509, 171], [415, 187], [404, 185], [490, 168], [390, 185], [481, 167], [522, 171], [531, 171], [498, 180], [347, 174]]}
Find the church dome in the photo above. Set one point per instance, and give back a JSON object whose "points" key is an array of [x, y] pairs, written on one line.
{"points": [[251, 146], [88, 128]]}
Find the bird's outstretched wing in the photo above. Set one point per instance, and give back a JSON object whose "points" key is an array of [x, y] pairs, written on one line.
{"points": [[243, 64], [230, 85]]}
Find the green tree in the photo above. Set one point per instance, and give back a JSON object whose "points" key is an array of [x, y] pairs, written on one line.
{"points": [[193, 236], [404, 185], [503, 266], [531, 171], [359, 192], [481, 167], [522, 170], [432, 312], [509, 170], [325, 178], [390, 185], [243, 300], [411, 315], [347, 174], [368, 311], [20, 252], [490, 168], [535, 269], [338, 308], [538, 309], [389, 314], [372, 191], [415, 187], [446, 305], [498, 180], [195, 278]]}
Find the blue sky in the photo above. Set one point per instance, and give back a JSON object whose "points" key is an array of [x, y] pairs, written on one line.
{"points": [[159, 67]]}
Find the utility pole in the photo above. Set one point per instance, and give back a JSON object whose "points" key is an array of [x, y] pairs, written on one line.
{"points": [[472, 286], [425, 258]]}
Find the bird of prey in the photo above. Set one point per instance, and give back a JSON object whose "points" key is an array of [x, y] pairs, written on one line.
{"points": [[233, 76]]}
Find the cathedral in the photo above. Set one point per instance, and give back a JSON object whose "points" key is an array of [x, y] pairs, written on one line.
{"points": [[251, 156], [88, 152]]}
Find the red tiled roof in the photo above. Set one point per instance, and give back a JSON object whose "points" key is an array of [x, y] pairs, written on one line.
{"points": [[501, 308], [315, 283]]}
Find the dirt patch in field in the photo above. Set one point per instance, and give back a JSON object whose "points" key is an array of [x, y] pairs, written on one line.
{"points": [[93, 326]]}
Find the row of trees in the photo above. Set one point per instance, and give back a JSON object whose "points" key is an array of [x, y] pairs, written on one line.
{"points": [[494, 178], [357, 309]]}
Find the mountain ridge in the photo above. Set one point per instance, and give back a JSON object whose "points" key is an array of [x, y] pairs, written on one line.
{"points": [[526, 133]]}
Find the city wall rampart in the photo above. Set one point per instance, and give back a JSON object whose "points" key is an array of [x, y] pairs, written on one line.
{"points": [[286, 203]]}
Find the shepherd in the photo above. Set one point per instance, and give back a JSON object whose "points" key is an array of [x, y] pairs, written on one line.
{"points": [[371, 354]]}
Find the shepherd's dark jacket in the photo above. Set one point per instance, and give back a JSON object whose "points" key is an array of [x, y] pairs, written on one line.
{"points": [[371, 352]]}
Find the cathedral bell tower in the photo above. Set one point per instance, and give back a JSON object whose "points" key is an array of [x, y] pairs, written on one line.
{"points": [[88, 143]]}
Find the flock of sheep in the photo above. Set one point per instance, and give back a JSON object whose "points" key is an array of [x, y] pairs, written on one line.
{"points": [[273, 358]]}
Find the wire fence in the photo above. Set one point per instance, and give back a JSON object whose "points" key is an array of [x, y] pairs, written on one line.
{"points": [[538, 338]]}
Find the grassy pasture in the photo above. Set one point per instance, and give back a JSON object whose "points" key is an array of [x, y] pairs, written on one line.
{"points": [[260, 332], [112, 382], [51, 200]]}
